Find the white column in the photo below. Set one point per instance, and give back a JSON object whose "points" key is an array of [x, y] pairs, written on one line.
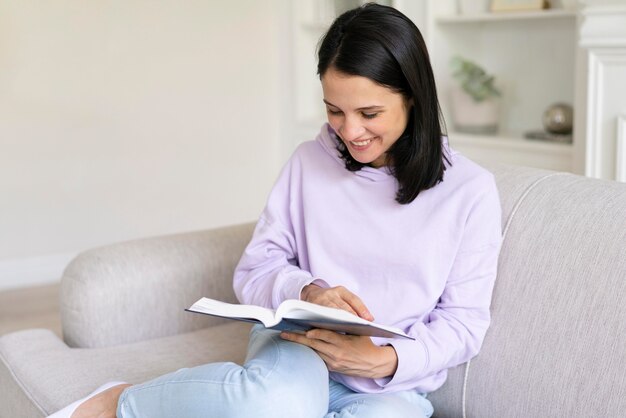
{"points": [[603, 35], [620, 159]]}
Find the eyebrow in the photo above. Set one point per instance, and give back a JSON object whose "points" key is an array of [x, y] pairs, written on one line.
{"points": [[360, 108]]}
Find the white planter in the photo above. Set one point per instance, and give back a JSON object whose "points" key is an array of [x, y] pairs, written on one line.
{"points": [[474, 117]]}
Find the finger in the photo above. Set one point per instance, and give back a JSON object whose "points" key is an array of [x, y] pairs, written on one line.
{"points": [[327, 336], [316, 345], [356, 305], [296, 338], [344, 306], [333, 298]]}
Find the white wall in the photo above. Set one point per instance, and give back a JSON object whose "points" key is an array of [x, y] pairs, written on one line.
{"points": [[131, 118]]}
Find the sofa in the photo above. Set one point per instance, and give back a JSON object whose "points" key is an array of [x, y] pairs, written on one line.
{"points": [[556, 346]]}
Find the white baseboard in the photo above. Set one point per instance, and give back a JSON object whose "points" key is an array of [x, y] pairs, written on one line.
{"points": [[33, 271]]}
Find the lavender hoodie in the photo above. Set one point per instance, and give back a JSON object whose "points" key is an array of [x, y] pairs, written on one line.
{"points": [[427, 267]]}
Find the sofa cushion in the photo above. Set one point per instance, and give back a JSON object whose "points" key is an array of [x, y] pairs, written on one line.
{"points": [[557, 341], [14, 401], [52, 375], [514, 183]]}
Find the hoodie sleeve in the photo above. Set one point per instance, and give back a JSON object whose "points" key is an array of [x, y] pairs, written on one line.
{"points": [[456, 327], [268, 272]]}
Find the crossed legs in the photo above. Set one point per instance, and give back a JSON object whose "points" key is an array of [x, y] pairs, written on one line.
{"points": [[278, 379]]}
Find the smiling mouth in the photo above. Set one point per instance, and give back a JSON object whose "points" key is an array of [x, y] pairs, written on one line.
{"points": [[362, 143]]}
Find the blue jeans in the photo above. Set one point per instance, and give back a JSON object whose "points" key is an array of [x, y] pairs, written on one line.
{"points": [[278, 379]]}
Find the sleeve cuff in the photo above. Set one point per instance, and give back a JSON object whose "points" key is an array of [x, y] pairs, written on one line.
{"points": [[289, 285], [318, 282], [412, 360]]}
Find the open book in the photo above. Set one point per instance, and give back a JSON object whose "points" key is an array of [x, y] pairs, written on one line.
{"points": [[297, 315]]}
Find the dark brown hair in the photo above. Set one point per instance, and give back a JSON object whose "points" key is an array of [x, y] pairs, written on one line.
{"points": [[382, 44]]}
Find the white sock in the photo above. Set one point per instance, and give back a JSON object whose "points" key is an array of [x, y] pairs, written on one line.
{"points": [[69, 410]]}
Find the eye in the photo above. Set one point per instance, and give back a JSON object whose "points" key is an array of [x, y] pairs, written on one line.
{"points": [[370, 115], [333, 112]]}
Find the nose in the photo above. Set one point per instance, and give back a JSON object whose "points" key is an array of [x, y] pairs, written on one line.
{"points": [[351, 129]]}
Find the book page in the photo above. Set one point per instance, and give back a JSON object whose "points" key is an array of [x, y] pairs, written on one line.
{"points": [[299, 309], [317, 316], [229, 310], [296, 315]]}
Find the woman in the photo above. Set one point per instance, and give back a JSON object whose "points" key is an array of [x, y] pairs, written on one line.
{"points": [[377, 216]]}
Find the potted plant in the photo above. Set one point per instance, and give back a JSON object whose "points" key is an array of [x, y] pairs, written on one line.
{"points": [[474, 101]]}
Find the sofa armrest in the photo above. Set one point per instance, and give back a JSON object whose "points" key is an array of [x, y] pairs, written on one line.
{"points": [[138, 290]]}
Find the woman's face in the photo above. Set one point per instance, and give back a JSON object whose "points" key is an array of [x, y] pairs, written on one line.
{"points": [[368, 117]]}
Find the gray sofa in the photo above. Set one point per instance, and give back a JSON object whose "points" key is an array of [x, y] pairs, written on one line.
{"points": [[556, 347]]}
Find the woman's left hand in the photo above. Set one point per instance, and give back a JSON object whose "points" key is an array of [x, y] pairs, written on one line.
{"points": [[349, 354]]}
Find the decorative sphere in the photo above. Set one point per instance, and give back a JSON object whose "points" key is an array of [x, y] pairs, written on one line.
{"points": [[559, 119]]}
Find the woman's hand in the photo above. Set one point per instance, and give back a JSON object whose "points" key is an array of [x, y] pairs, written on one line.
{"points": [[346, 354], [336, 297], [349, 354]]}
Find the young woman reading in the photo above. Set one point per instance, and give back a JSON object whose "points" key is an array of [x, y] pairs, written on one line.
{"points": [[377, 216]]}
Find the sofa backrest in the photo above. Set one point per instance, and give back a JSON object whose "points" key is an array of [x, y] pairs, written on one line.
{"points": [[557, 343]]}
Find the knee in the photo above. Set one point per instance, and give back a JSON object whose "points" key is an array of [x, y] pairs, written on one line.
{"points": [[297, 389], [290, 362], [285, 379], [285, 399]]}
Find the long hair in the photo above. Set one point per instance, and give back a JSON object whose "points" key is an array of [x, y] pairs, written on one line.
{"points": [[383, 45]]}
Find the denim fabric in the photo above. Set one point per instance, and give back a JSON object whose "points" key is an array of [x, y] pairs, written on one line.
{"points": [[278, 379]]}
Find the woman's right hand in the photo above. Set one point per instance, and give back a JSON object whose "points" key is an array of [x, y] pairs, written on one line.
{"points": [[336, 297]]}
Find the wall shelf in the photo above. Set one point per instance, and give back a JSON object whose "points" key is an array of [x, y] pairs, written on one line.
{"points": [[511, 142], [532, 55], [507, 16], [511, 149]]}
